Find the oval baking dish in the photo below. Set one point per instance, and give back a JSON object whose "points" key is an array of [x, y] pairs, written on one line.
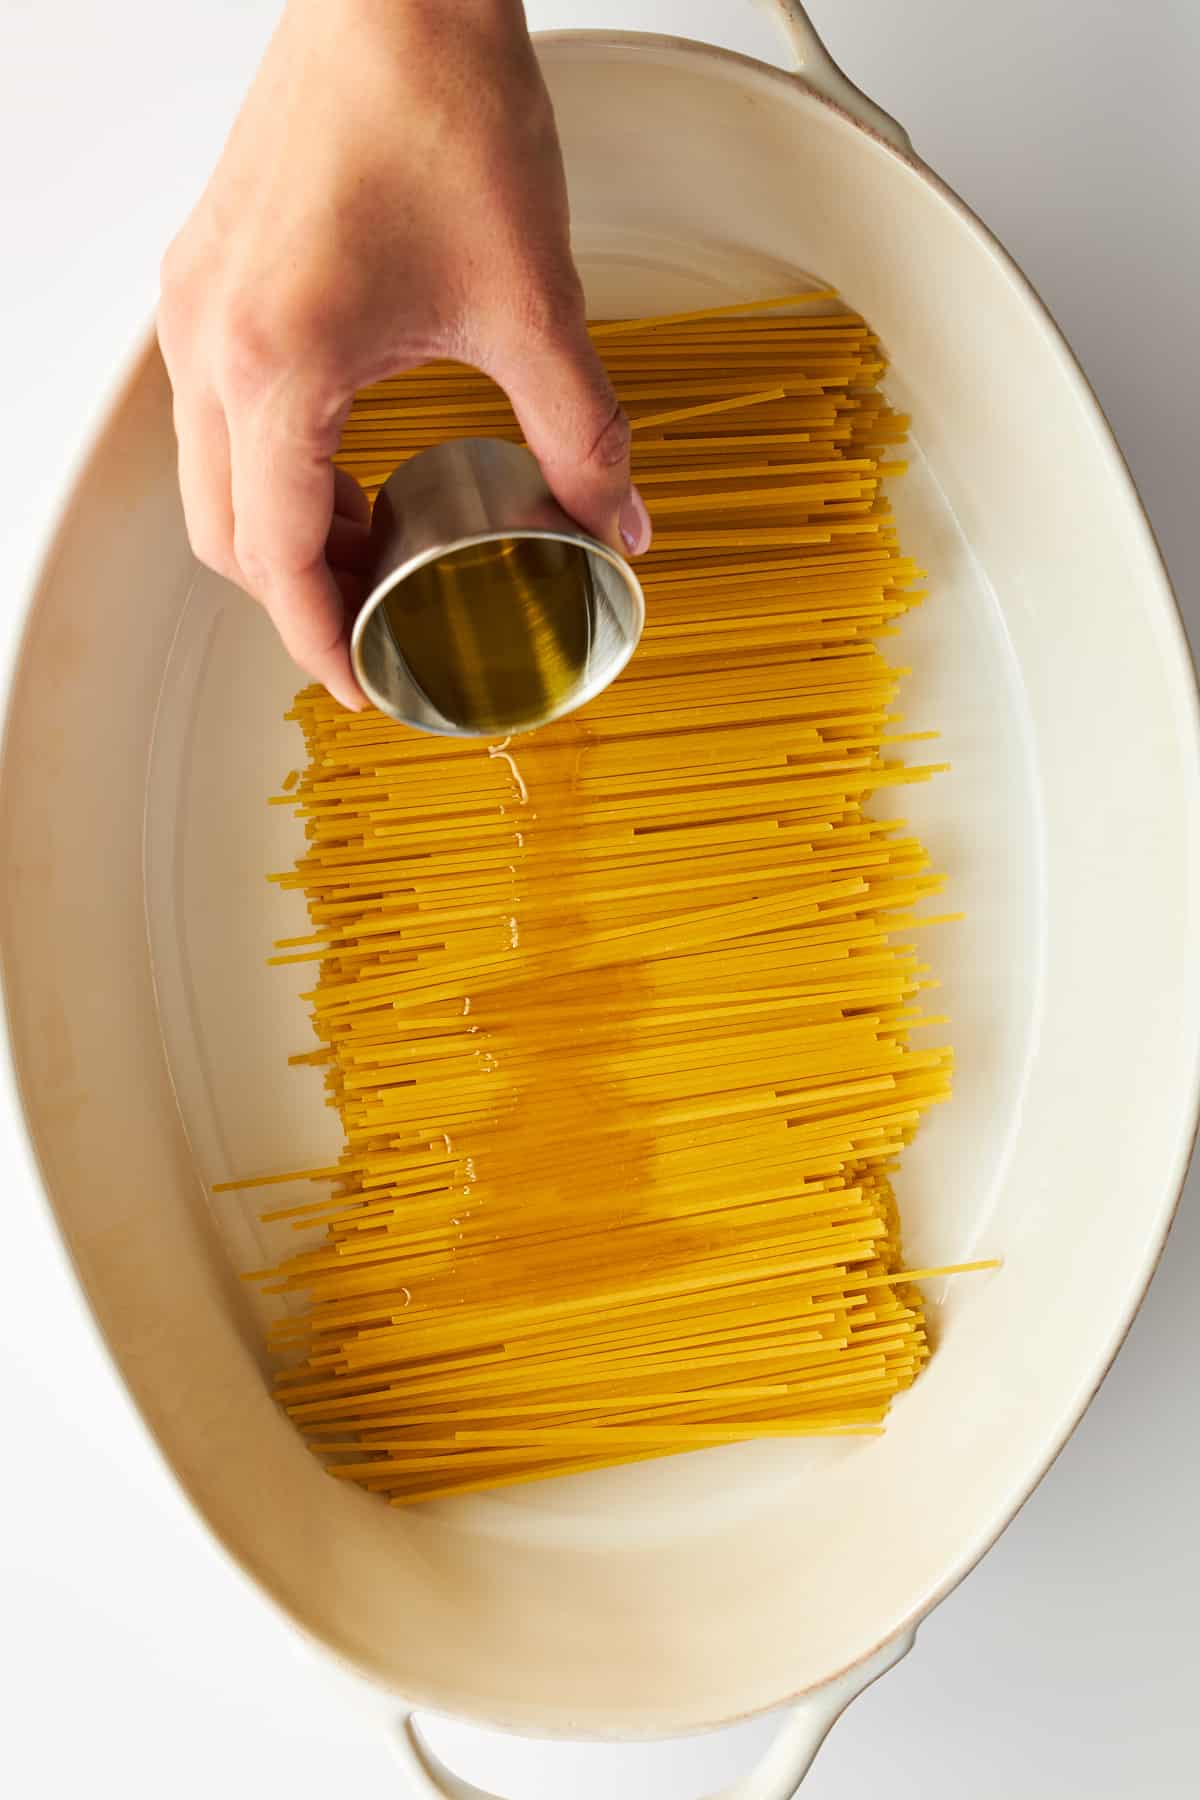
{"points": [[148, 1039]]}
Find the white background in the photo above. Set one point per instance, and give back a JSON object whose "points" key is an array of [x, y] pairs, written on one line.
{"points": [[131, 1659]]}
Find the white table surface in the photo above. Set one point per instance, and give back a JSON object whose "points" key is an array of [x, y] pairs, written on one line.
{"points": [[131, 1659]]}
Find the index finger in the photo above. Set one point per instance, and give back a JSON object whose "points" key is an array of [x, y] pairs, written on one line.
{"points": [[283, 503]]}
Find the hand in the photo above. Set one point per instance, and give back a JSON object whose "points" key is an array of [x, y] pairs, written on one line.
{"points": [[392, 191]]}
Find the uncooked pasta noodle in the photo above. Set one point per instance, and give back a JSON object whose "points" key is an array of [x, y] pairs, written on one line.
{"points": [[624, 1020]]}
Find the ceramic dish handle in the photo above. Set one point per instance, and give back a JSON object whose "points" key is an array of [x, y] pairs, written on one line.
{"points": [[819, 70], [778, 1776]]}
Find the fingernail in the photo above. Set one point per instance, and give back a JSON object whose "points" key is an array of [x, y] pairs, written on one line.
{"points": [[634, 523]]}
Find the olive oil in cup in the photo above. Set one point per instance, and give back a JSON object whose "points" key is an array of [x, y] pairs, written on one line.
{"points": [[490, 610]]}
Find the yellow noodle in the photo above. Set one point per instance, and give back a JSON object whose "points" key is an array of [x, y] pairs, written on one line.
{"points": [[618, 1019]]}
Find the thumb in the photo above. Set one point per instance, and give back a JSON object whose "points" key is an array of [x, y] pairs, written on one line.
{"points": [[573, 423]]}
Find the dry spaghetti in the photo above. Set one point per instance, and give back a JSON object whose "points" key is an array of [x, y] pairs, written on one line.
{"points": [[618, 1018]]}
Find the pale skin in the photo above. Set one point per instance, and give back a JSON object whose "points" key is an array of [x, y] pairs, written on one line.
{"points": [[391, 192]]}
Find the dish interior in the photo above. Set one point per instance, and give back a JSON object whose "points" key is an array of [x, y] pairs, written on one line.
{"points": [[150, 1039]]}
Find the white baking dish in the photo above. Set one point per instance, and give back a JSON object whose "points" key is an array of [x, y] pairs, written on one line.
{"points": [[148, 1039]]}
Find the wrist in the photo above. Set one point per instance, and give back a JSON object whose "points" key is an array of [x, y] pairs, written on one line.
{"points": [[496, 15]]}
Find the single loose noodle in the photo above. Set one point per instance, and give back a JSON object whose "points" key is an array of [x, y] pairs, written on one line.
{"points": [[618, 1018]]}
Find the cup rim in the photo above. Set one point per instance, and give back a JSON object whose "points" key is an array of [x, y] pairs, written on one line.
{"points": [[579, 696]]}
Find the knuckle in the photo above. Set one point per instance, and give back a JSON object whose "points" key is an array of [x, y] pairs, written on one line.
{"points": [[611, 446], [270, 558], [250, 348], [288, 357], [252, 559], [266, 332], [211, 548]]}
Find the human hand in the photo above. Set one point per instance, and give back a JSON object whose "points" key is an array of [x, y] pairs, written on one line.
{"points": [[392, 191]]}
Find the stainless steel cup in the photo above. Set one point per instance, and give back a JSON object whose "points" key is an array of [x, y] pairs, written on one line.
{"points": [[489, 609]]}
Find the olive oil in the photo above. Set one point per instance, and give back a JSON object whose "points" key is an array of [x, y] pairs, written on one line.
{"points": [[498, 633]]}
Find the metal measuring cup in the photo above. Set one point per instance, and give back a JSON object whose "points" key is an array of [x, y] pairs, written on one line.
{"points": [[489, 610]]}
